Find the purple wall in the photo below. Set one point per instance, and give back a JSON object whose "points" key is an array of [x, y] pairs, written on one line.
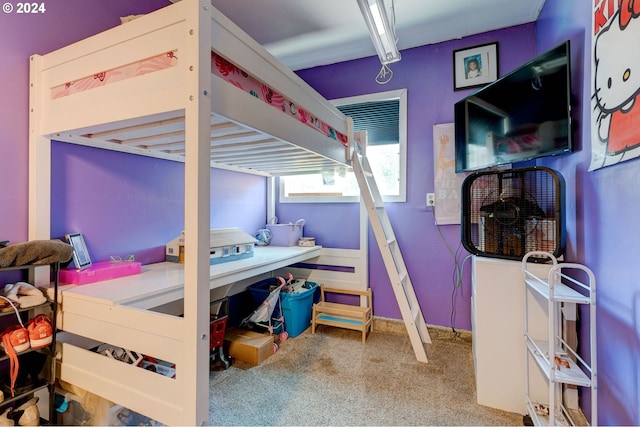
{"points": [[427, 73], [22, 36], [128, 204], [124, 204], [111, 196], [601, 225], [603, 229]]}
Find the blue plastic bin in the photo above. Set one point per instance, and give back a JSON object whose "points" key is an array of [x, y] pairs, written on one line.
{"points": [[297, 307], [261, 290]]}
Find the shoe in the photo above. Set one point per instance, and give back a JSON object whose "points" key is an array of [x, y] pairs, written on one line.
{"points": [[40, 331], [30, 415], [15, 338], [121, 354]]}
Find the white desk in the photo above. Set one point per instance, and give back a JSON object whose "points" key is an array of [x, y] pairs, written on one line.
{"points": [[163, 282], [119, 312]]}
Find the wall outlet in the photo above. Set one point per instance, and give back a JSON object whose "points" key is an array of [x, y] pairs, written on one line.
{"points": [[431, 199]]}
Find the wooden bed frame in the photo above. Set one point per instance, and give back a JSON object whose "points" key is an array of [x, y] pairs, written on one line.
{"points": [[206, 118]]}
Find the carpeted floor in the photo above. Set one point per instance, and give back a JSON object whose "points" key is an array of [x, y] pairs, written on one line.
{"points": [[331, 378]]}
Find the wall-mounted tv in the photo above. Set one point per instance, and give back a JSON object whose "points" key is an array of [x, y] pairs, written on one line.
{"points": [[524, 115]]}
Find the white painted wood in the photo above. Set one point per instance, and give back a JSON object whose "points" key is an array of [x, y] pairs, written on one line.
{"points": [[180, 114], [197, 216], [271, 120], [362, 264], [162, 282], [68, 119], [140, 94], [39, 172], [351, 258], [143, 391], [235, 45], [392, 257], [358, 259], [139, 330], [155, 334], [118, 312], [271, 199], [498, 332]]}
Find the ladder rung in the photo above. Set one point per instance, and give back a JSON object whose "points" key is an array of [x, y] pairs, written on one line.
{"points": [[403, 278], [392, 256], [415, 313]]}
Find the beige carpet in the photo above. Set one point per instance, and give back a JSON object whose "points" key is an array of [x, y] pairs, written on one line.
{"points": [[331, 378]]}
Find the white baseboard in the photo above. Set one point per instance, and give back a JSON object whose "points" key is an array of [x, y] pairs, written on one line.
{"points": [[397, 326]]}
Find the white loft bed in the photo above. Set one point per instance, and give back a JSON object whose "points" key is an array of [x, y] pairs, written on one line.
{"points": [[185, 113]]}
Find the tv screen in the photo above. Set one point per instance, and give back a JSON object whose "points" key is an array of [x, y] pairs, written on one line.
{"points": [[524, 115]]}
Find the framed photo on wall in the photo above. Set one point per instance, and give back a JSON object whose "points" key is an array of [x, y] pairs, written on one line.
{"points": [[475, 66]]}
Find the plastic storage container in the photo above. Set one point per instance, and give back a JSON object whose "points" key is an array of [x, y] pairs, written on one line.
{"points": [[261, 290], [286, 234], [296, 307], [99, 271]]}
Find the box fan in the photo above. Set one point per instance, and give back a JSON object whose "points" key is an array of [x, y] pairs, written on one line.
{"points": [[508, 213]]}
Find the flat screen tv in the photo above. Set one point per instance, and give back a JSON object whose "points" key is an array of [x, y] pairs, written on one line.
{"points": [[524, 115]]}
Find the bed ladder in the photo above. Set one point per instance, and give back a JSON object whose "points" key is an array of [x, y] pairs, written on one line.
{"points": [[392, 257]]}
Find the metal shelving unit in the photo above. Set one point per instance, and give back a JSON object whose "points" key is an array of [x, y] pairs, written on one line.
{"points": [[48, 380], [559, 362]]}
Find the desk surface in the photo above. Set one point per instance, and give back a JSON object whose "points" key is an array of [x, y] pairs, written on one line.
{"points": [[163, 282]]}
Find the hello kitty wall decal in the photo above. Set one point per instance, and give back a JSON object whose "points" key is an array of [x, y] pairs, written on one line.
{"points": [[615, 133]]}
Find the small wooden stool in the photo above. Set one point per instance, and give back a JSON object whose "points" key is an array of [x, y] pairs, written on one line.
{"points": [[347, 316]]}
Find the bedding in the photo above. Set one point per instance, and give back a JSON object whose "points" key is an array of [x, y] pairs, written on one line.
{"points": [[243, 80], [221, 68], [146, 66]]}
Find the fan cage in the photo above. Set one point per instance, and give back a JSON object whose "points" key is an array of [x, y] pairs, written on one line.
{"points": [[508, 213]]}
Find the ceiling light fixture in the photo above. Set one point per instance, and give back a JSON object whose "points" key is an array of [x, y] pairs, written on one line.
{"points": [[381, 25]]}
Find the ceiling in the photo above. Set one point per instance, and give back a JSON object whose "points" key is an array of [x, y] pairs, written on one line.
{"points": [[308, 33]]}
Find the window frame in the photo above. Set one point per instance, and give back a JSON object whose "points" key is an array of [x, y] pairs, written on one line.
{"points": [[401, 197]]}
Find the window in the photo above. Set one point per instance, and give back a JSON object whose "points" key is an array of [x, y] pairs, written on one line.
{"points": [[383, 116]]}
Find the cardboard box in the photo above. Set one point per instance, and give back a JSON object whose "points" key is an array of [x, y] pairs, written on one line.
{"points": [[248, 346]]}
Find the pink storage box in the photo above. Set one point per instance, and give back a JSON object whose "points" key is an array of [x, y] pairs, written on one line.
{"points": [[98, 272]]}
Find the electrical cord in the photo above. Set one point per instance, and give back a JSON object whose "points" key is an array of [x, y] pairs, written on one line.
{"points": [[458, 269], [384, 75]]}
